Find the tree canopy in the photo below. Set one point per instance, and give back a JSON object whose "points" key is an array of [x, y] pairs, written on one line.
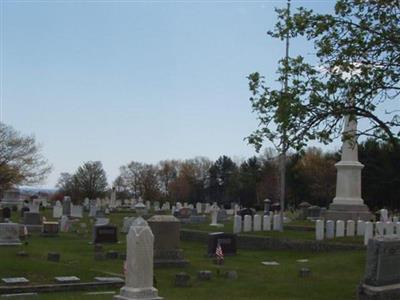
{"points": [[355, 71], [21, 161]]}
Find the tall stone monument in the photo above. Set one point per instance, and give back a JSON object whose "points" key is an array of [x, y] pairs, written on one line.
{"points": [[167, 250], [348, 204], [139, 264]]}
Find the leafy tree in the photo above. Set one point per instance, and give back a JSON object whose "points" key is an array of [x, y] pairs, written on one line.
{"points": [[21, 161], [318, 174], [357, 72], [223, 181], [91, 180], [250, 177], [141, 180], [380, 176]]}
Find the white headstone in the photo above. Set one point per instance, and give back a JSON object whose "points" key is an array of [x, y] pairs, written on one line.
{"points": [[277, 222], [198, 208], [389, 228], [339, 228], [139, 264], [64, 224], [395, 219], [76, 211], [369, 232], [214, 215], [319, 230], [384, 215], [178, 205], [207, 210], [380, 228], [237, 224], [360, 227], [247, 223], [148, 205], [57, 210], [330, 229], [350, 228], [257, 223], [267, 223], [397, 225]]}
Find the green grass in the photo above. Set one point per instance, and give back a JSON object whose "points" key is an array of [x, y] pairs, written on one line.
{"points": [[335, 275]]}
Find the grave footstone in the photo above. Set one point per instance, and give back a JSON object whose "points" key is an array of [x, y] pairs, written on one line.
{"points": [[204, 275], [53, 256], [182, 279], [15, 280], [67, 279]]}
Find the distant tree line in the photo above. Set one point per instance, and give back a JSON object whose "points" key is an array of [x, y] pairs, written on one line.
{"points": [[311, 177]]}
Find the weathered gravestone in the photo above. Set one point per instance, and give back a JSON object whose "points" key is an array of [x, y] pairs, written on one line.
{"points": [[139, 264], [9, 234], [226, 240], [382, 273], [167, 251], [32, 218], [66, 206], [105, 234]]}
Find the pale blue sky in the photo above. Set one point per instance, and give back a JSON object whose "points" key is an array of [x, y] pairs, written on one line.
{"points": [[118, 81]]}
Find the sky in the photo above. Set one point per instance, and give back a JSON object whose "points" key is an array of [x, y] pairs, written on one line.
{"points": [[121, 81]]}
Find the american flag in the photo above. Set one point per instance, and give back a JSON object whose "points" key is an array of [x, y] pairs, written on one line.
{"points": [[218, 252]]}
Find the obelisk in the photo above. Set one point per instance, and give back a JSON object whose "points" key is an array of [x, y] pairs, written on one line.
{"points": [[348, 204], [139, 264]]}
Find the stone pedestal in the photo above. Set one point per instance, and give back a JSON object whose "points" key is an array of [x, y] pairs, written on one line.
{"points": [[166, 230], [348, 204]]}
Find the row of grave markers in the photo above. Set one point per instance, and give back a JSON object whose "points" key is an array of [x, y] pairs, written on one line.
{"points": [[256, 223], [330, 229]]}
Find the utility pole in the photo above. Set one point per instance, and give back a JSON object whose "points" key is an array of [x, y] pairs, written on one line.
{"points": [[282, 160]]}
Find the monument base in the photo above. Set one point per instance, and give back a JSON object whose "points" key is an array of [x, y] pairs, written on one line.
{"points": [[386, 292], [348, 212], [127, 293]]}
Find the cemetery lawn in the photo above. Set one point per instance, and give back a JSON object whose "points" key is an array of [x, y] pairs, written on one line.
{"points": [[335, 275]]}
